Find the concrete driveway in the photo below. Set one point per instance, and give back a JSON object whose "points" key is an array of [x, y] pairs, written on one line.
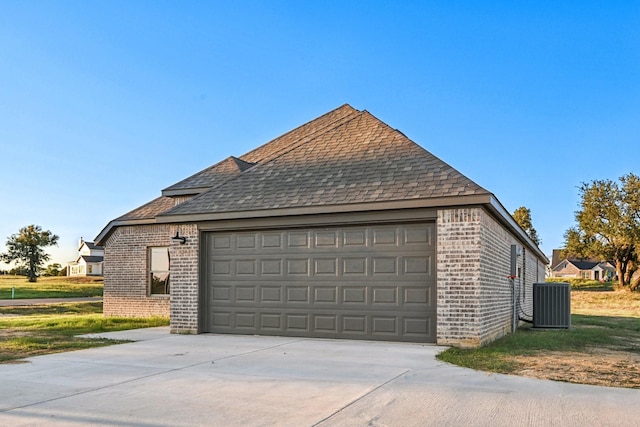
{"points": [[231, 380]]}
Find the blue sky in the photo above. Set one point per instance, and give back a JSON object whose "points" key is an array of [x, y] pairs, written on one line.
{"points": [[105, 103]]}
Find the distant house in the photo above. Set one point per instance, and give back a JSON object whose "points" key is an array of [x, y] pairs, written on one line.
{"points": [[592, 270], [89, 262]]}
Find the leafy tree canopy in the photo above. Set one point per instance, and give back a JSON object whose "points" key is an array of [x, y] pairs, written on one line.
{"points": [[26, 248], [522, 216], [608, 225], [52, 269]]}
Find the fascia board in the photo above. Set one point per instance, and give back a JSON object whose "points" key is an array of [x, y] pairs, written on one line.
{"points": [[439, 202]]}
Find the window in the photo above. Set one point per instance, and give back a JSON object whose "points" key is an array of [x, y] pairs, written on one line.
{"points": [[159, 271], [585, 274], [89, 269]]}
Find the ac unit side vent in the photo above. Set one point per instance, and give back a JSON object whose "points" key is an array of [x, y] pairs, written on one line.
{"points": [[551, 305]]}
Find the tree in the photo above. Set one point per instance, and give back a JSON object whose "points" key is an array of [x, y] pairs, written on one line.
{"points": [[608, 225], [522, 216], [52, 269], [25, 248]]}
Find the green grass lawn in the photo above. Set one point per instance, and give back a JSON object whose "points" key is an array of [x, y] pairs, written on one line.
{"points": [[37, 330], [50, 287]]}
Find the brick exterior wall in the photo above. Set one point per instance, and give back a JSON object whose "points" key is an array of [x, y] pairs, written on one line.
{"points": [[185, 308], [126, 280], [126, 266], [474, 292], [458, 277], [475, 295]]}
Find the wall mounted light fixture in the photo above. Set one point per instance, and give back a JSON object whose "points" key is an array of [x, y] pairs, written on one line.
{"points": [[182, 239]]}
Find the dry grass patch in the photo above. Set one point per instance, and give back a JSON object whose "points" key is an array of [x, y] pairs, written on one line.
{"points": [[601, 348], [595, 366]]}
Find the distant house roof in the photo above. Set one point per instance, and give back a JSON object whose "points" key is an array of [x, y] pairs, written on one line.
{"points": [[92, 258], [583, 265], [91, 245]]}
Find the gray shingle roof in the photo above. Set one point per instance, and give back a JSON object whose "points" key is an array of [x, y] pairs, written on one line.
{"points": [[207, 178], [584, 265], [356, 159], [343, 157], [300, 134], [149, 210], [92, 258], [91, 245]]}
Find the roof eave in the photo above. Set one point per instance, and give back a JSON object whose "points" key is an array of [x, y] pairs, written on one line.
{"points": [[106, 232], [488, 200], [436, 202], [511, 223]]}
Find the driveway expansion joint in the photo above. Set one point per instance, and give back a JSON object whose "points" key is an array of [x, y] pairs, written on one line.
{"points": [[354, 401]]}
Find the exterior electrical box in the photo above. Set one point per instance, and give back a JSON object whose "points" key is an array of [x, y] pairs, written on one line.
{"points": [[551, 305]]}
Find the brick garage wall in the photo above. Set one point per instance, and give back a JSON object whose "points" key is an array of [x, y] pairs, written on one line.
{"points": [[126, 283], [475, 294], [458, 277], [184, 280], [496, 297]]}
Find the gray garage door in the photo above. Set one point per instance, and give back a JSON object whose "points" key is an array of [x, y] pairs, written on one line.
{"points": [[375, 282]]}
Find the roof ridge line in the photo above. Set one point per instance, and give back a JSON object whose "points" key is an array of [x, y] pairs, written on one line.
{"points": [[301, 126], [310, 137]]}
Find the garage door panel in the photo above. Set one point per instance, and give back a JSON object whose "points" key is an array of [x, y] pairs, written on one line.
{"points": [[271, 267], [355, 324], [385, 295], [384, 325], [245, 266], [298, 266], [384, 237], [418, 327], [416, 265], [298, 322], [298, 240], [221, 241], [355, 239], [418, 295], [246, 241], [245, 294], [271, 241], [327, 323], [384, 265], [326, 239], [354, 295], [221, 267], [374, 282], [246, 320], [271, 321], [270, 294], [355, 266], [298, 294], [325, 294], [222, 294]]}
